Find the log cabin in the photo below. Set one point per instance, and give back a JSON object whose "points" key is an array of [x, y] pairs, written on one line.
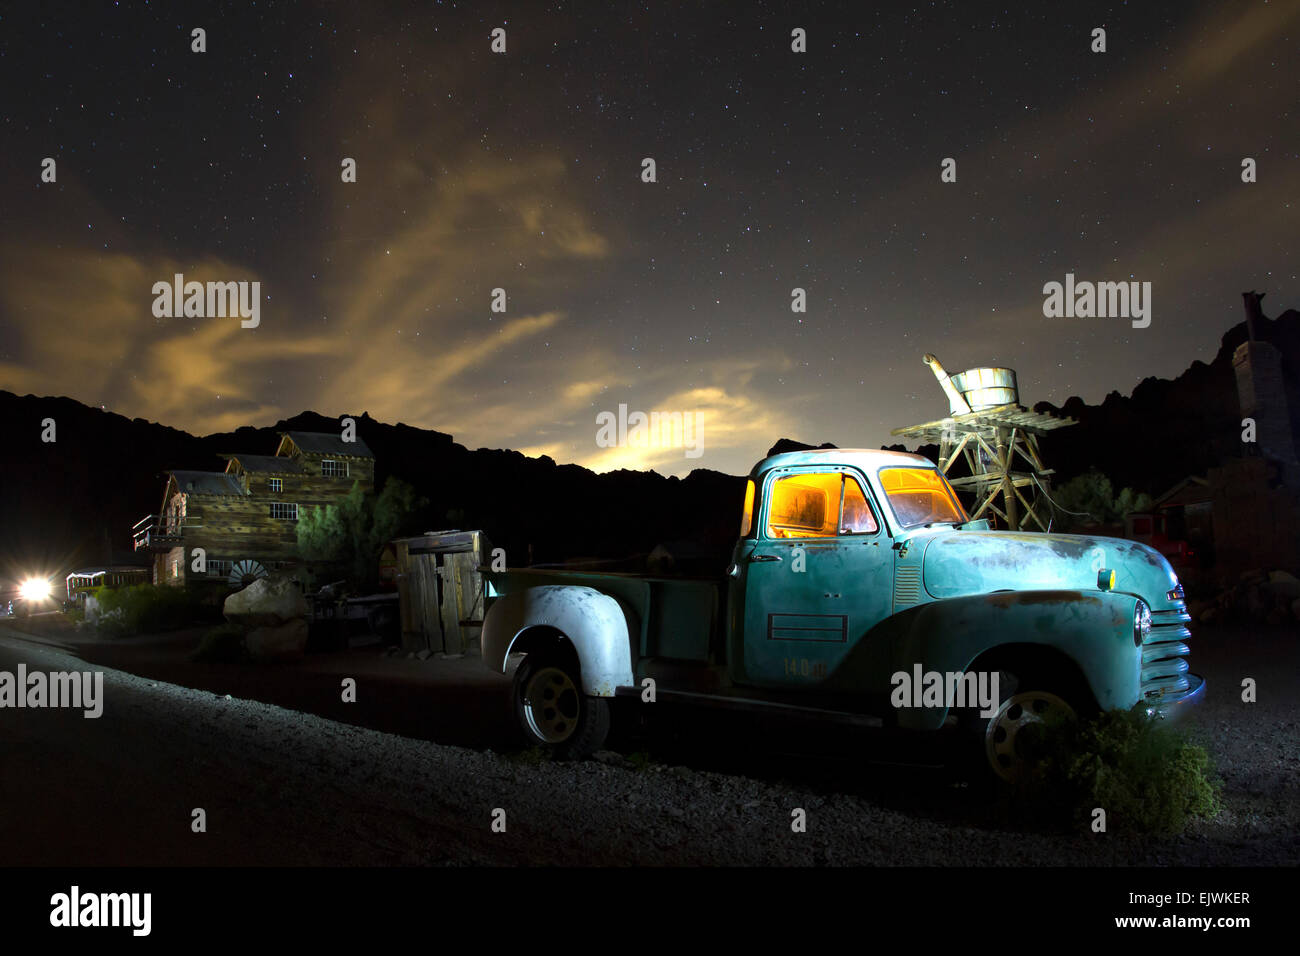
{"points": [[245, 518]]}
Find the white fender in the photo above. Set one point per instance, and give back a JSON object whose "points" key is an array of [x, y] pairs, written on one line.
{"points": [[593, 622]]}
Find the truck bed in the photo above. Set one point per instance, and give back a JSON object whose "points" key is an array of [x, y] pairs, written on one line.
{"points": [[673, 617]]}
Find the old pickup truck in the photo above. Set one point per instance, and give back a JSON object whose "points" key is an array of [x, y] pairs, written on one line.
{"points": [[858, 586]]}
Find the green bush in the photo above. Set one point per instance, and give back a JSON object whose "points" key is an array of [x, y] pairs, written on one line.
{"points": [[224, 643], [1148, 776], [148, 609]]}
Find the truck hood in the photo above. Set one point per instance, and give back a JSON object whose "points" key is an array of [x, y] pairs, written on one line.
{"points": [[976, 562]]}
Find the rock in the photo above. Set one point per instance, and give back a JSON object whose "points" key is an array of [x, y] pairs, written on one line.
{"points": [[266, 603], [1283, 586], [282, 642], [424, 654]]}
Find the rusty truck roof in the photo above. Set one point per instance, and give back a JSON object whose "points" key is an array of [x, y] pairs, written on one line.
{"points": [[868, 459]]}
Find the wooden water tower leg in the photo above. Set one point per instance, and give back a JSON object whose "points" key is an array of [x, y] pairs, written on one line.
{"points": [[1008, 490]]}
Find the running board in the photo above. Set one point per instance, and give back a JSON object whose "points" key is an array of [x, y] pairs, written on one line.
{"points": [[752, 704]]}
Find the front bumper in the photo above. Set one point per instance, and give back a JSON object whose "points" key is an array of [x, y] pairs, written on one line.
{"points": [[1176, 706]]}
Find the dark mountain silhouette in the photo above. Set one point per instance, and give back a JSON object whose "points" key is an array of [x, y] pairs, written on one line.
{"points": [[60, 502], [1167, 430], [66, 503]]}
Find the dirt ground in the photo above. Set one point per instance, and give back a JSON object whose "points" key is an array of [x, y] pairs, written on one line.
{"points": [[415, 769]]}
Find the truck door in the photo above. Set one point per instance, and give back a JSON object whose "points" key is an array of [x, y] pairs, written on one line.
{"points": [[818, 577]]}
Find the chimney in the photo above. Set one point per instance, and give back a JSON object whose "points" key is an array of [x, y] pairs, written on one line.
{"points": [[1254, 314], [1261, 393]]}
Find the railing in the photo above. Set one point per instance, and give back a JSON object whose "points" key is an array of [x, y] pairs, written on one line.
{"points": [[148, 534]]}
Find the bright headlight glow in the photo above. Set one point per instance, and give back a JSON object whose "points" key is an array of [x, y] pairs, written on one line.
{"points": [[1141, 622], [34, 589]]}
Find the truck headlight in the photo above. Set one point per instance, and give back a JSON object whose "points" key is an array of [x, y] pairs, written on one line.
{"points": [[1141, 622]]}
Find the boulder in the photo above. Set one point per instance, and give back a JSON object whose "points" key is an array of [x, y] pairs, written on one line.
{"points": [[1283, 586], [281, 642], [266, 602]]}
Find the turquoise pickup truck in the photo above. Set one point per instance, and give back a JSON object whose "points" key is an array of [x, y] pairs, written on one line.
{"points": [[858, 586]]}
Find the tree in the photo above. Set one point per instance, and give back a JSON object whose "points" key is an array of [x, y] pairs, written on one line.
{"points": [[1092, 496], [354, 531]]}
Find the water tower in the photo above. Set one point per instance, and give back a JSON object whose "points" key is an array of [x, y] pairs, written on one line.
{"points": [[996, 438]]}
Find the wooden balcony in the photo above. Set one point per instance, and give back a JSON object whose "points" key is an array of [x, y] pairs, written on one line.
{"points": [[148, 535]]}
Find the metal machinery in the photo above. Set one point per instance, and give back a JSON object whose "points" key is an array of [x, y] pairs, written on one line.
{"points": [[996, 438]]}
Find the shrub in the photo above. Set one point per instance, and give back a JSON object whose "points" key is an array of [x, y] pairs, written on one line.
{"points": [[147, 609], [224, 643], [1148, 776]]}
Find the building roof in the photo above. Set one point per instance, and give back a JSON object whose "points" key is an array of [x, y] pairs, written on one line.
{"points": [[325, 443], [207, 483], [1191, 490], [271, 464], [868, 459]]}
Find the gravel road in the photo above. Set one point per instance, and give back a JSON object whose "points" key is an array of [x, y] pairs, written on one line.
{"points": [[283, 787]]}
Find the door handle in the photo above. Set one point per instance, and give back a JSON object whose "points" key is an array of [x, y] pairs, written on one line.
{"points": [[765, 557]]}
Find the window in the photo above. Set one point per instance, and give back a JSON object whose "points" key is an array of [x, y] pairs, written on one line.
{"points": [[920, 496], [855, 515], [747, 518], [277, 485], [819, 506], [219, 568], [282, 510], [333, 469]]}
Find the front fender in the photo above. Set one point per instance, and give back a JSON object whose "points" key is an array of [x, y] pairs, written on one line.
{"points": [[594, 624], [1093, 629]]}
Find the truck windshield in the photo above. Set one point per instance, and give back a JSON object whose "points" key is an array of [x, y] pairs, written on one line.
{"points": [[920, 496]]}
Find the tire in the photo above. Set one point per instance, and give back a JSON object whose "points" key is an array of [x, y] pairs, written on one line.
{"points": [[990, 754], [552, 712]]}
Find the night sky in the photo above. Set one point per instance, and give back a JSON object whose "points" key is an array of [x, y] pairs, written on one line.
{"points": [[522, 171]]}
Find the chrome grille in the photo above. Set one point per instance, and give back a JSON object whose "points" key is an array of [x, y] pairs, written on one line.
{"points": [[1164, 653]]}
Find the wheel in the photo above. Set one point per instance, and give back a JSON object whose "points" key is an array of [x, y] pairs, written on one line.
{"points": [[1004, 733], [551, 709], [993, 753]]}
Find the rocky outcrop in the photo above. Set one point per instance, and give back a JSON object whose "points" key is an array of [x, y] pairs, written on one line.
{"points": [[273, 611], [286, 641], [267, 602]]}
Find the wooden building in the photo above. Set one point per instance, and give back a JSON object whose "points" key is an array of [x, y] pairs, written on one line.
{"points": [[245, 518]]}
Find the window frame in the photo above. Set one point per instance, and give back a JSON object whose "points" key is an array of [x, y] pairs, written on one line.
{"points": [[763, 507], [963, 516], [276, 485], [285, 505], [340, 463]]}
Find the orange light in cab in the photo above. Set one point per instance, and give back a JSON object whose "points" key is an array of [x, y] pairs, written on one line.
{"points": [[747, 519]]}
